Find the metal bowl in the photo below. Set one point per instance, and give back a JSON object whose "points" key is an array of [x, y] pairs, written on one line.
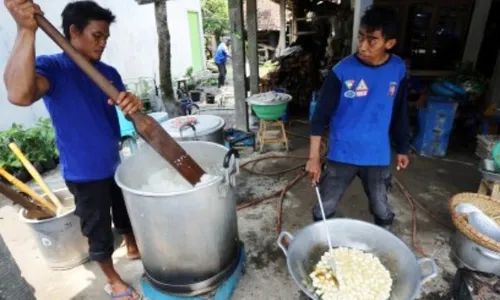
{"points": [[307, 246]]}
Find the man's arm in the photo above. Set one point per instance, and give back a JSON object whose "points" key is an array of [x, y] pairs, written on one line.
{"points": [[400, 125], [329, 98], [24, 86], [327, 102], [226, 50]]}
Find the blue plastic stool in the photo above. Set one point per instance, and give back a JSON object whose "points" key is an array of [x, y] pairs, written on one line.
{"points": [[127, 130], [223, 291]]}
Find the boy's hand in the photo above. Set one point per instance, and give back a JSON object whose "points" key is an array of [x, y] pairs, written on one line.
{"points": [[128, 103], [403, 161], [313, 166]]}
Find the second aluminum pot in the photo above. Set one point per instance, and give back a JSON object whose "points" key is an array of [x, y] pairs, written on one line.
{"points": [[208, 128], [474, 256]]}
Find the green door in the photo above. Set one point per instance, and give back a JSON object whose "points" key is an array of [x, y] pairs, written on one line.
{"points": [[195, 39]]}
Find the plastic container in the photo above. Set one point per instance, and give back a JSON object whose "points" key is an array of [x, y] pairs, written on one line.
{"points": [[270, 112], [60, 240], [195, 95], [435, 125], [126, 127], [312, 105]]}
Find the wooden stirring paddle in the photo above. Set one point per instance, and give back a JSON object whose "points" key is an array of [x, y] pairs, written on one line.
{"points": [[146, 126]]}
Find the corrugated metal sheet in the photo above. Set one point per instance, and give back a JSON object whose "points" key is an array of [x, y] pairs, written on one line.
{"points": [[268, 15]]}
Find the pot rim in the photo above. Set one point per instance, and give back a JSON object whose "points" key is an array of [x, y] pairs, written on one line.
{"points": [[312, 295], [216, 180], [159, 195], [22, 211], [177, 134]]}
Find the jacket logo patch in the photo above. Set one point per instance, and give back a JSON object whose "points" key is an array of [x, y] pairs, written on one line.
{"points": [[349, 84], [361, 89], [350, 94], [392, 88]]}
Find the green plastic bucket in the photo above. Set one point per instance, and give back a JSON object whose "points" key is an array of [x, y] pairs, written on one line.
{"points": [[270, 112]]}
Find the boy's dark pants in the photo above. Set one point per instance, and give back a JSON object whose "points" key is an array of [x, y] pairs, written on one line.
{"points": [[222, 74], [336, 178], [98, 204]]}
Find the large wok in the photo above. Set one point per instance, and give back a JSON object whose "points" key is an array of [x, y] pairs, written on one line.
{"points": [[306, 247]]}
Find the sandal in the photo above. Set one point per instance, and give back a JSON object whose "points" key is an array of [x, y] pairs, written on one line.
{"points": [[129, 293]]}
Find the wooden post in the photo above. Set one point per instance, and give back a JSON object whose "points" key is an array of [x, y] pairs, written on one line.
{"points": [[253, 55], [282, 43], [238, 60], [476, 30], [164, 55], [294, 22], [493, 94], [359, 8]]}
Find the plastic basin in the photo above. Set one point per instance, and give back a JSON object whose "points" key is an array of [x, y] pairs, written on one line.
{"points": [[270, 112]]}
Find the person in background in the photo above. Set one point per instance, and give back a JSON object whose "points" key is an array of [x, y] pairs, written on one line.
{"points": [[363, 100], [85, 123], [220, 59]]}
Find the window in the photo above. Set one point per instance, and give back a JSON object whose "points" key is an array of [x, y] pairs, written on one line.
{"points": [[433, 33]]}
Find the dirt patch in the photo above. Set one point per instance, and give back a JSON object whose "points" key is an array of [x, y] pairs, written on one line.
{"points": [[437, 296], [266, 253]]}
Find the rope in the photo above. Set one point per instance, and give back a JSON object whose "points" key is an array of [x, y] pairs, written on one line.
{"points": [[280, 194]]}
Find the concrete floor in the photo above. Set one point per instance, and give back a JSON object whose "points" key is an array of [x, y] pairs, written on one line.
{"points": [[430, 181]]}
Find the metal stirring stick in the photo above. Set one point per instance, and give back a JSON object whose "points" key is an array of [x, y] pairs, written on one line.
{"points": [[331, 261]]}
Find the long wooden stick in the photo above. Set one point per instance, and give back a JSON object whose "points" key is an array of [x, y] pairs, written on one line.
{"points": [[146, 126], [33, 210], [27, 190], [34, 173]]}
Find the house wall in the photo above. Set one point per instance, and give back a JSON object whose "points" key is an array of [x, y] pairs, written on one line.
{"points": [[132, 48]]}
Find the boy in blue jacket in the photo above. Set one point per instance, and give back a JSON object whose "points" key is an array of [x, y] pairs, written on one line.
{"points": [[220, 59], [363, 100]]}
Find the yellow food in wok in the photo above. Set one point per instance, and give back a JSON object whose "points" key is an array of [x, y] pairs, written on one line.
{"points": [[360, 275]]}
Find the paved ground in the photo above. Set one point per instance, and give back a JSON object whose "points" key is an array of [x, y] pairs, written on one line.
{"points": [[430, 181]]}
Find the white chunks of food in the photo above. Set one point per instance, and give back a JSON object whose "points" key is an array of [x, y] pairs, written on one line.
{"points": [[169, 180], [361, 276]]}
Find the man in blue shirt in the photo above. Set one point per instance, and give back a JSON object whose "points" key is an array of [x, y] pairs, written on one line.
{"points": [[363, 100], [86, 125], [220, 59]]}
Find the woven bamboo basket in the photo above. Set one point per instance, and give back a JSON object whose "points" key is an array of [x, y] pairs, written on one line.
{"points": [[488, 205]]}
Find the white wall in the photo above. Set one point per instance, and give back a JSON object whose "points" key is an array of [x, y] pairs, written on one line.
{"points": [[132, 48]]}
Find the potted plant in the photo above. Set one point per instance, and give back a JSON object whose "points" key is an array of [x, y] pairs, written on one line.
{"points": [[37, 143], [46, 154], [8, 160], [192, 84]]}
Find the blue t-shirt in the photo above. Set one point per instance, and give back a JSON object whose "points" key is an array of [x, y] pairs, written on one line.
{"points": [[86, 126], [365, 106], [221, 54]]}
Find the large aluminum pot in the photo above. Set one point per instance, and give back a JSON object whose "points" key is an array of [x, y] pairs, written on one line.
{"points": [[188, 240], [308, 245], [207, 128], [474, 256]]}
